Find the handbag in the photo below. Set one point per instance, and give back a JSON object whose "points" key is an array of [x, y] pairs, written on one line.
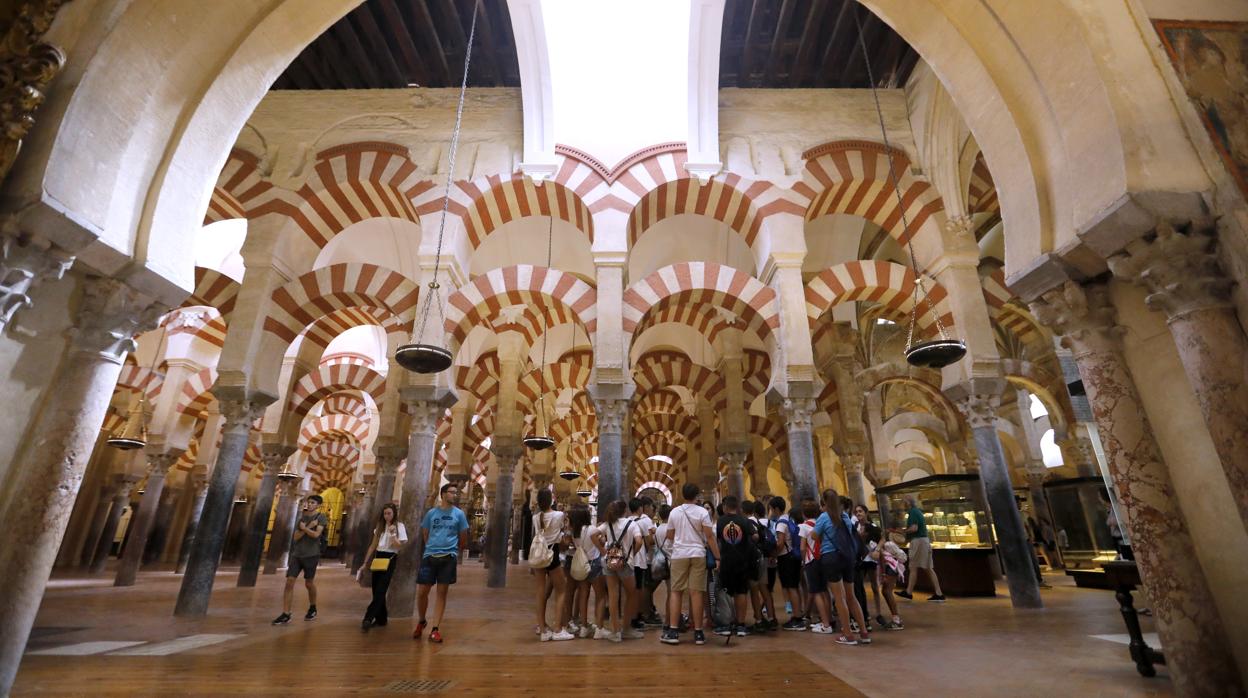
{"points": [[380, 564], [540, 554]]}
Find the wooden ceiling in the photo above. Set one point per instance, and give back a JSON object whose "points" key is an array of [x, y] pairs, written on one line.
{"points": [[808, 43], [402, 43], [765, 43]]}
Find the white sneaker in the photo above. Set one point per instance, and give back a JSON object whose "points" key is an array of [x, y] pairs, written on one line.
{"points": [[586, 631], [573, 627], [545, 636], [822, 629], [602, 634], [562, 635], [634, 634], [616, 637]]}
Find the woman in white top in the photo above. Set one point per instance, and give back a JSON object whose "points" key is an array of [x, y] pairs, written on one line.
{"points": [[582, 539], [551, 526], [616, 529], [388, 537]]}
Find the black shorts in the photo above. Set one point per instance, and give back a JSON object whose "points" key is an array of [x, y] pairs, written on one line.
{"points": [[306, 564], [834, 570], [814, 577], [734, 577], [789, 569], [437, 569], [641, 576], [554, 558]]}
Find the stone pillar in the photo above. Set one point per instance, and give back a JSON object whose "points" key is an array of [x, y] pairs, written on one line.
{"points": [[241, 409], [200, 485], [283, 524], [517, 527], [104, 544], [1198, 656], [141, 524], [1036, 473], [369, 512], [59, 443], [1185, 281], [99, 517], [159, 534], [855, 465], [736, 473], [273, 457], [506, 455], [797, 414], [978, 401], [425, 408], [610, 426]]}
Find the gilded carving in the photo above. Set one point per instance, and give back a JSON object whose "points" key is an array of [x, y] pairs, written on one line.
{"points": [[27, 65]]}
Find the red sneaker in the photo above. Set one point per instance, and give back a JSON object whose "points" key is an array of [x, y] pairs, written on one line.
{"points": [[435, 636], [420, 629]]}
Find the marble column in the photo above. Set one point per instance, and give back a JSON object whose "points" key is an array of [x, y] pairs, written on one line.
{"points": [[736, 473], [506, 455], [104, 544], [1198, 656], [797, 422], [1181, 272], [141, 524], [425, 409], [1036, 473], [364, 531], [159, 534], [628, 451], [99, 517], [978, 401], [610, 428], [200, 485], [283, 524], [58, 446], [273, 456], [517, 528], [241, 409]]}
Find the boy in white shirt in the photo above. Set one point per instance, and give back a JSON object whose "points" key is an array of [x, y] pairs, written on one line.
{"points": [[691, 534], [641, 509]]}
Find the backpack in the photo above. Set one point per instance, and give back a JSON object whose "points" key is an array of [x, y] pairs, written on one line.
{"points": [[659, 569], [617, 556], [795, 538], [766, 540], [846, 544], [579, 569], [540, 554], [722, 611]]}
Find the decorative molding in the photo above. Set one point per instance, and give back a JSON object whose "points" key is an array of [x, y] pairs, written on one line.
{"points": [[27, 66], [610, 174]]}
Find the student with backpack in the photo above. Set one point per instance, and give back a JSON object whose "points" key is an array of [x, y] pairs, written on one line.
{"points": [[586, 573], [616, 538], [788, 556], [838, 556], [692, 537], [764, 606], [817, 599], [736, 536], [549, 529]]}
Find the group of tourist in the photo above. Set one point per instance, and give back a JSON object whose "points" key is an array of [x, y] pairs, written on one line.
{"points": [[824, 554]]}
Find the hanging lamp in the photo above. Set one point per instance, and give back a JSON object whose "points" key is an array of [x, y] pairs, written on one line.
{"points": [[416, 356], [133, 433], [944, 350], [287, 473], [539, 440]]}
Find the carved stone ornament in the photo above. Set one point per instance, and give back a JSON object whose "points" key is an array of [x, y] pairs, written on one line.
{"points": [[1082, 315], [158, 464], [797, 413], [611, 414], [1179, 269], [425, 415], [241, 413], [980, 410], [111, 315], [27, 65], [25, 261]]}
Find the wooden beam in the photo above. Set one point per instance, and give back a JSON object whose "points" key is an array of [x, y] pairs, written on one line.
{"points": [[417, 72], [729, 48], [801, 62], [309, 59], [392, 75], [894, 47], [908, 60], [488, 55], [295, 77], [436, 54], [777, 42], [855, 72], [751, 28], [360, 59], [330, 51], [835, 42]]}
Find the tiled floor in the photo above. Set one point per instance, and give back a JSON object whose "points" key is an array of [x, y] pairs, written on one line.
{"points": [[969, 647]]}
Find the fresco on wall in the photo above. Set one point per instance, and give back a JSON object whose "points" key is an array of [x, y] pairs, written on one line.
{"points": [[1212, 61]]}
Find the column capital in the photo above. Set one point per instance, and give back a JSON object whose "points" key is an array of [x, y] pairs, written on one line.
{"points": [[25, 262], [978, 400], [158, 464], [797, 412], [734, 458], [109, 317], [274, 456], [389, 456], [1179, 269], [611, 413], [426, 405], [1082, 315], [241, 407], [289, 488]]}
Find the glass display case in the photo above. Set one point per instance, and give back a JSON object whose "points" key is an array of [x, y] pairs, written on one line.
{"points": [[953, 508], [1079, 517]]}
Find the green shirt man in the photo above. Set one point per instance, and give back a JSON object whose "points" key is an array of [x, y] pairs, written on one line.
{"points": [[915, 518]]}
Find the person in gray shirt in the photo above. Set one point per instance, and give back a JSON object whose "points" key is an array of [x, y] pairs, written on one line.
{"points": [[305, 555]]}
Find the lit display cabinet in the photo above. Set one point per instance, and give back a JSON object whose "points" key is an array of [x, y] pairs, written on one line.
{"points": [[1079, 519], [957, 524]]}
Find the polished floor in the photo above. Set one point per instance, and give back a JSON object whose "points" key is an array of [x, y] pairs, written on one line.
{"points": [[92, 639]]}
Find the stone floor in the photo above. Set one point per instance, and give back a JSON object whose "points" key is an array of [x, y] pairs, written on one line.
{"points": [[93, 639]]}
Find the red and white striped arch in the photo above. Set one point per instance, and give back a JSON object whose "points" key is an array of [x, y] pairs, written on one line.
{"points": [[331, 427], [240, 188], [214, 289], [351, 183], [213, 332], [196, 395], [349, 358], [705, 282], [756, 370], [496, 201], [329, 379], [304, 300], [345, 402], [830, 400], [531, 322], [251, 457], [326, 328], [138, 378], [552, 378], [981, 191], [480, 379], [852, 177], [770, 430], [729, 200], [700, 316], [1010, 316], [477, 302], [681, 424], [891, 285], [659, 369], [574, 423], [659, 401]]}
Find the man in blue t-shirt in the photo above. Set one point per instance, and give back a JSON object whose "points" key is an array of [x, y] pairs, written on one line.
{"points": [[444, 532]]}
